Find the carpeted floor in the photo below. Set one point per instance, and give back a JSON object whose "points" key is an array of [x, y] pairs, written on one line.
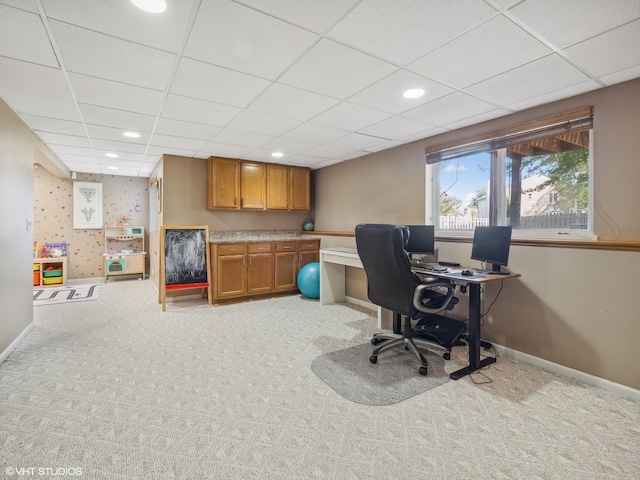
{"points": [[120, 390]]}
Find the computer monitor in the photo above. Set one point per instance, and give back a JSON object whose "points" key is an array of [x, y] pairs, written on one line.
{"points": [[421, 239], [491, 245]]}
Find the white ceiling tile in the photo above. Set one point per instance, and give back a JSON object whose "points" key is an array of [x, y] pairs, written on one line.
{"points": [[571, 21], [357, 141], [243, 139], [326, 151], [53, 139], [335, 70], [492, 48], [571, 91], [177, 142], [225, 150], [262, 123], [395, 127], [386, 94], [422, 135], [401, 31], [23, 36], [42, 106], [117, 147], [245, 40], [19, 76], [617, 50], [99, 55], [124, 20], [347, 116], [198, 111], [125, 156], [621, 76], [29, 5], [124, 171], [382, 146], [261, 155], [168, 126], [117, 134], [216, 84], [110, 117], [53, 125], [157, 150], [72, 150], [309, 132], [303, 160], [106, 93], [311, 14], [530, 80], [451, 108], [288, 146], [475, 119], [66, 157], [290, 102]]}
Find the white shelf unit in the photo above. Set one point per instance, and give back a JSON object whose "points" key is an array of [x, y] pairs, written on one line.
{"points": [[124, 252]]}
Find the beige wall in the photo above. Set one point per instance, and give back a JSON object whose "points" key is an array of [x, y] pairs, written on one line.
{"points": [[19, 149], [571, 307]]}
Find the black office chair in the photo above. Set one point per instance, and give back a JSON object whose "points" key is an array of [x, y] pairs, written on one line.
{"points": [[392, 285]]}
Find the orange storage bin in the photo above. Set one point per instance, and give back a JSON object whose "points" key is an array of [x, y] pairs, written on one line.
{"points": [[36, 278]]}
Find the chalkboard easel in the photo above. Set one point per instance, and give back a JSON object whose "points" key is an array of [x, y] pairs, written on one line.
{"points": [[184, 260]]}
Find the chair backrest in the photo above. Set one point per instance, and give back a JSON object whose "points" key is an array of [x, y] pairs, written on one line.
{"points": [[390, 281]]}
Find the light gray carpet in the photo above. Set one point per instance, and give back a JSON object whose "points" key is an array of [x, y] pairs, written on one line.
{"points": [[125, 391], [76, 293], [393, 379]]}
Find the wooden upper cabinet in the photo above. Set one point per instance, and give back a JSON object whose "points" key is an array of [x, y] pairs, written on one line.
{"points": [[277, 187], [223, 183], [253, 185], [299, 189]]}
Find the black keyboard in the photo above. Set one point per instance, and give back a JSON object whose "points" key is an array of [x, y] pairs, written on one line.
{"points": [[428, 267]]}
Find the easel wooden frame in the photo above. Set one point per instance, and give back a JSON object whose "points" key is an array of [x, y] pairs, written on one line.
{"points": [[183, 286]]}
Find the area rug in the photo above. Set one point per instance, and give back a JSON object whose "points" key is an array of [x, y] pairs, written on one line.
{"points": [[393, 379], [76, 293]]}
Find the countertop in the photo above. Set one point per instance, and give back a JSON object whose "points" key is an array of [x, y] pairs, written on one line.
{"points": [[259, 236]]}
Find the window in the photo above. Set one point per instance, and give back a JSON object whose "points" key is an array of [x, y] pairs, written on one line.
{"points": [[535, 179]]}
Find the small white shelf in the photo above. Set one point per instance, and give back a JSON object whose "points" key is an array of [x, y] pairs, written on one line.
{"points": [[126, 259]]}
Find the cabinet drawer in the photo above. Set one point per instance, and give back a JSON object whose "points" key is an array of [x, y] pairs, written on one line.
{"points": [[259, 247], [285, 246], [232, 249], [306, 245]]}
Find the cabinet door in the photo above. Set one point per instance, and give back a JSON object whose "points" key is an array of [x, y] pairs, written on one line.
{"points": [[299, 189], [309, 251], [253, 185], [277, 187], [230, 276], [285, 261], [223, 183], [260, 273]]}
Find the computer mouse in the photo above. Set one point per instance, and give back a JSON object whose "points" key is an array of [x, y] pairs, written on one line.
{"points": [[466, 273]]}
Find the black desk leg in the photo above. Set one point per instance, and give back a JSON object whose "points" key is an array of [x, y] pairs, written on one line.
{"points": [[474, 336]]}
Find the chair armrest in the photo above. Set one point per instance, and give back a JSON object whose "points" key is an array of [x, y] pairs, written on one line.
{"points": [[418, 292]]}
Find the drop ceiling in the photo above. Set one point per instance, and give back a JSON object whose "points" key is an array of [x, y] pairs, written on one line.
{"points": [[319, 80]]}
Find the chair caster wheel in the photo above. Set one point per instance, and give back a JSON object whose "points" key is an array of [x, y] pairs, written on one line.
{"points": [[423, 370], [486, 345], [446, 356], [376, 341], [373, 359]]}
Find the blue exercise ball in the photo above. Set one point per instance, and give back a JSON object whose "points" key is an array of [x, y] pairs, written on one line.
{"points": [[309, 280]]}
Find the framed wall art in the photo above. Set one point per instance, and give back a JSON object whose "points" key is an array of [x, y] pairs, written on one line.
{"points": [[87, 205]]}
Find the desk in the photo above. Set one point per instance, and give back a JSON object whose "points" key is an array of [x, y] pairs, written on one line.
{"points": [[474, 283], [333, 262]]}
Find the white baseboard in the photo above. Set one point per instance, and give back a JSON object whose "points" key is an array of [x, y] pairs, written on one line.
{"points": [[587, 378], [12, 346]]}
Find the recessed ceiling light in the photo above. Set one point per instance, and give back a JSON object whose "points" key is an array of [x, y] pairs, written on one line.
{"points": [[111, 155], [413, 93], [151, 6], [111, 167], [277, 154], [131, 134]]}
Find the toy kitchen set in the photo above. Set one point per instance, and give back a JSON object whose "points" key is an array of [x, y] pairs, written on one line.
{"points": [[124, 251]]}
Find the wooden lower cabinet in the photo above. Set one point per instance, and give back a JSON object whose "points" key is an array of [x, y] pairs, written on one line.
{"points": [[259, 268], [245, 270]]}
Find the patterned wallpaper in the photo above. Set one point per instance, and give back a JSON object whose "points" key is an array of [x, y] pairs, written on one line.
{"points": [[53, 216]]}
